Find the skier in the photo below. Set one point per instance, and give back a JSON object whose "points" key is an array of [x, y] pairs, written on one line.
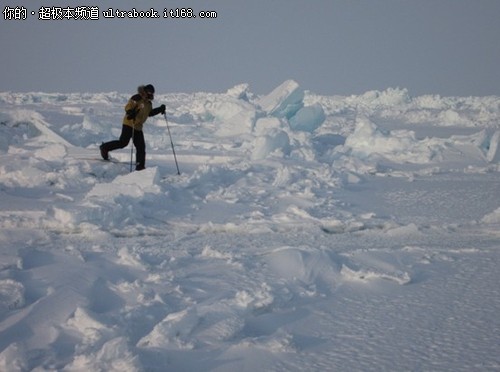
{"points": [[137, 110]]}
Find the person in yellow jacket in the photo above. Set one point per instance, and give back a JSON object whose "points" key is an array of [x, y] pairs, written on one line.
{"points": [[137, 110]]}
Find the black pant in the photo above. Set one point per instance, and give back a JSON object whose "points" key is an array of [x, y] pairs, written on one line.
{"points": [[138, 139]]}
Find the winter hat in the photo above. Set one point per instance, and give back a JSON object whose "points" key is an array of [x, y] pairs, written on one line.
{"points": [[149, 88]]}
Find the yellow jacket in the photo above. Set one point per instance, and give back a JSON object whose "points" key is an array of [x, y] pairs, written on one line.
{"points": [[137, 110]]}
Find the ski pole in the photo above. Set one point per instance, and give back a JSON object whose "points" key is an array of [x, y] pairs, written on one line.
{"points": [[132, 148], [172, 143]]}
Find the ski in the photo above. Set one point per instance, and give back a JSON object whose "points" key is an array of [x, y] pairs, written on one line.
{"points": [[98, 158]]}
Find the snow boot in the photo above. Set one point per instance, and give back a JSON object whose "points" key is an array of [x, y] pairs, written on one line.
{"points": [[104, 152]]}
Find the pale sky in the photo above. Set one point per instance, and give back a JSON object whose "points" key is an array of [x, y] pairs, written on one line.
{"points": [[445, 47]]}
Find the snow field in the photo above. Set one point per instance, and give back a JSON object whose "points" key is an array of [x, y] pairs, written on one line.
{"points": [[304, 233]]}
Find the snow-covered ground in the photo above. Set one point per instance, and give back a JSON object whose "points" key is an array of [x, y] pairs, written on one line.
{"points": [[304, 233]]}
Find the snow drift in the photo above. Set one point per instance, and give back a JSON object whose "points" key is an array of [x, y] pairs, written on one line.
{"points": [[305, 232]]}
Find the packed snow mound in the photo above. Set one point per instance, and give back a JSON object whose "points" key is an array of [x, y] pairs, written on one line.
{"points": [[236, 112], [316, 270], [493, 153], [12, 295], [135, 184], [287, 101], [273, 141], [308, 118], [388, 98], [240, 91], [233, 116], [493, 217], [284, 101], [399, 146]]}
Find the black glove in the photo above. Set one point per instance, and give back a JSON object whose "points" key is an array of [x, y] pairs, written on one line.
{"points": [[131, 114], [162, 109]]}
